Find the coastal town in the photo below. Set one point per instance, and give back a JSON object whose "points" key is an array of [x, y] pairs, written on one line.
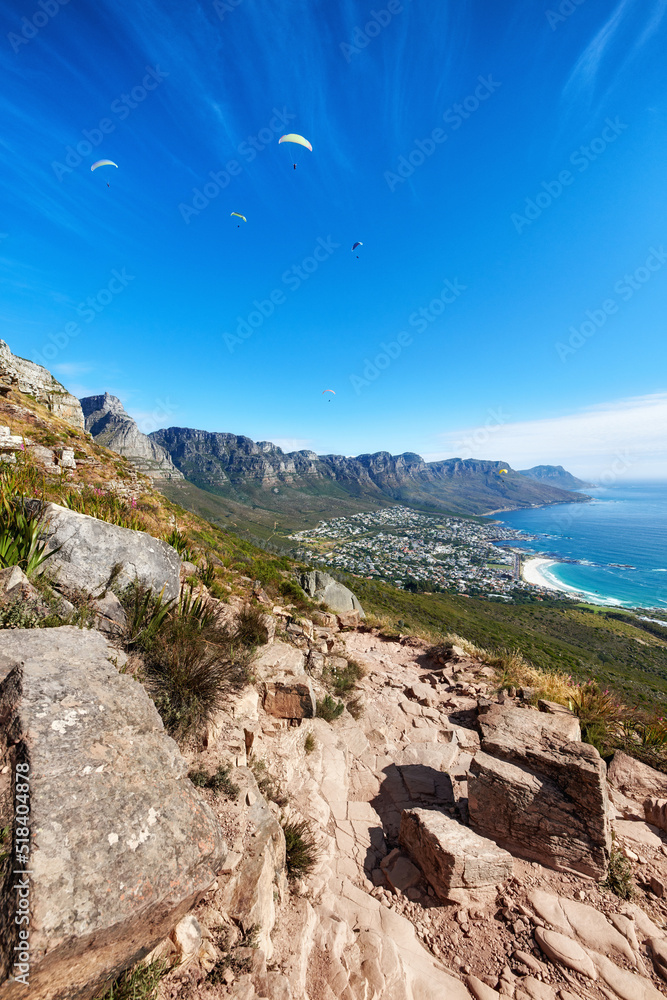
{"points": [[422, 552]]}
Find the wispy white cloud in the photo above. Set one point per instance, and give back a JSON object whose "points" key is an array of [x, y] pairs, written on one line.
{"points": [[587, 442], [582, 85], [292, 444], [72, 369]]}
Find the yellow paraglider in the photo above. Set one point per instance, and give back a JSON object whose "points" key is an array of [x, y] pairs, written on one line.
{"points": [[502, 470], [238, 216], [104, 163]]}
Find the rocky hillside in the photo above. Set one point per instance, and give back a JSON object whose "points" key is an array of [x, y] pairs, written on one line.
{"points": [[27, 377], [359, 813], [555, 475], [112, 427], [261, 473]]}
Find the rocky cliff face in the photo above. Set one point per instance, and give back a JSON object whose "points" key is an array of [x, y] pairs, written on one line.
{"points": [[26, 376], [230, 464], [112, 427]]}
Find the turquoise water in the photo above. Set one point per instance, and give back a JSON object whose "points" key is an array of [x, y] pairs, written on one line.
{"points": [[624, 524]]}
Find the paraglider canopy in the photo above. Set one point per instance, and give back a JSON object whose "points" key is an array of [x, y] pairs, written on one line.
{"points": [[328, 390], [358, 244], [239, 216], [104, 163], [502, 470], [293, 137]]}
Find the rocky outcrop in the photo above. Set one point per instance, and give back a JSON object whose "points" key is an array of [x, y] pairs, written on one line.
{"points": [[538, 792], [112, 427], [121, 844], [92, 555], [287, 691], [635, 780], [554, 475], [32, 379], [324, 589], [452, 856]]}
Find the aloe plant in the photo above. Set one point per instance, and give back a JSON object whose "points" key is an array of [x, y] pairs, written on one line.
{"points": [[21, 532]]}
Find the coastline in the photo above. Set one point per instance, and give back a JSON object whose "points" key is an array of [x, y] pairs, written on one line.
{"points": [[535, 571]]}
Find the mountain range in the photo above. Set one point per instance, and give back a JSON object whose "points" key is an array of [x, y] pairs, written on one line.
{"points": [[259, 472], [235, 480]]}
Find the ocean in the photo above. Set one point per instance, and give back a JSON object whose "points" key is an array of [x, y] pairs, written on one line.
{"points": [[618, 544]]}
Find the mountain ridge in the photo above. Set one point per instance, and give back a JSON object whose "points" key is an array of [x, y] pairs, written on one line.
{"points": [[261, 473], [555, 475]]}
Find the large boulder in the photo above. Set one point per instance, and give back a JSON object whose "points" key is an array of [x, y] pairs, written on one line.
{"points": [[635, 780], [539, 793], [94, 554], [325, 590], [451, 855], [121, 844], [287, 690]]}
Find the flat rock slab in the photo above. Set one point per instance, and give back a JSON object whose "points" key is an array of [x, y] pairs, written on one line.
{"points": [[523, 726], [451, 855], [635, 780], [279, 658], [121, 844], [94, 554]]}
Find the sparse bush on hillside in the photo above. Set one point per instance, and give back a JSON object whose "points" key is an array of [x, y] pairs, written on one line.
{"points": [[191, 658], [179, 541], [344, 680], [250, 626], [207, 572], [329, 709], [599, 713], [140, 983], [301, 849], [309, 743], [219, 781], [619, 874]]}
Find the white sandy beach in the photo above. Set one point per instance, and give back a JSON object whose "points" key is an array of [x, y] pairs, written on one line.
{"points": [[534, 571]]}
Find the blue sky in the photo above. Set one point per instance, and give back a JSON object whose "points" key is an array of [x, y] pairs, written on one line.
{"points": [[504, 165]]}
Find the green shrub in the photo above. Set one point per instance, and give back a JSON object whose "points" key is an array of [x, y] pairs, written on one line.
{"points": [[356, 708], [250, 627], [342, 681], [219, 781], [179, 541], [619, 874], [329, 709], [218, 591], [301, 850], [21, 530], [598, 712], [18, 614], [309, 743], [191, 658], [140, 983], [207, 573], [103, 504]]}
